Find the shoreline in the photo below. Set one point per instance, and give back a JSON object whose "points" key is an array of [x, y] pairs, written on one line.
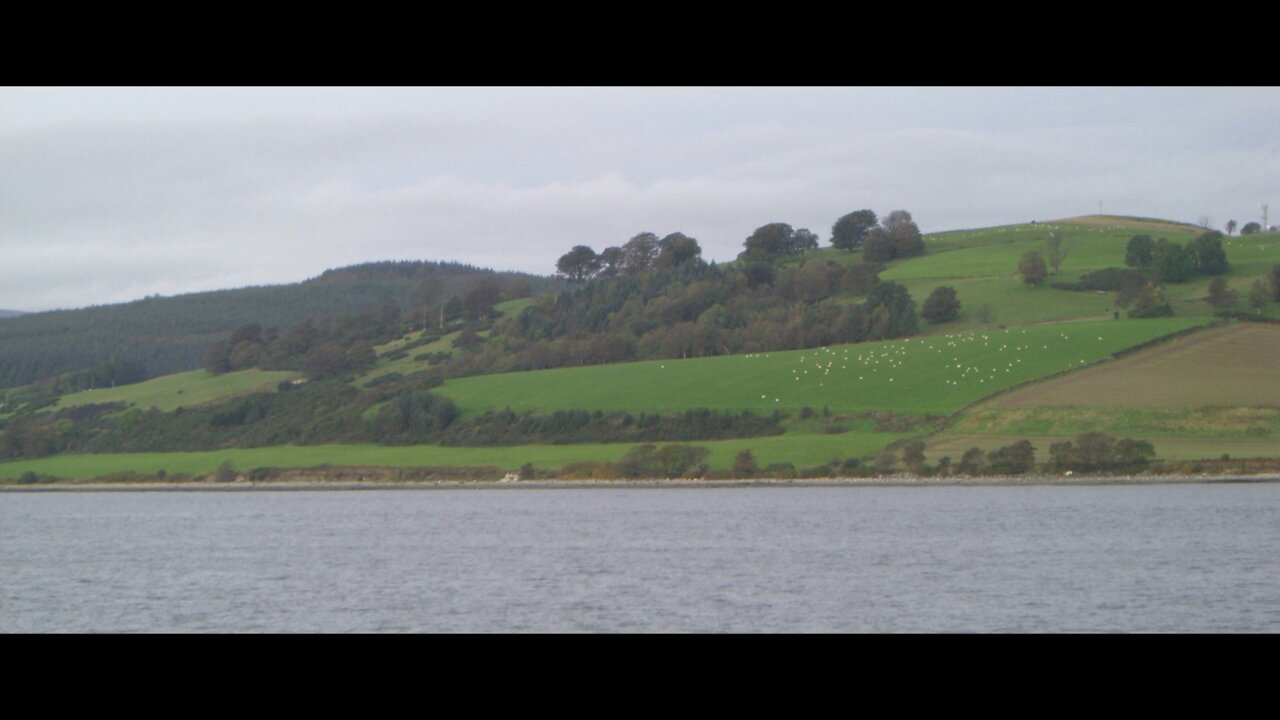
{"points": [[304, 485]]}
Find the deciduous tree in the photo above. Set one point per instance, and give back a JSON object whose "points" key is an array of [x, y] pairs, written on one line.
{"points": [[1139, 251], [941, 306], [1220, 296], [1032, 268], [848, 232]]}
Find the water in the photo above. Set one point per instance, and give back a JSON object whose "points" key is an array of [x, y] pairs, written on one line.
{"points": [[1187, 558]]}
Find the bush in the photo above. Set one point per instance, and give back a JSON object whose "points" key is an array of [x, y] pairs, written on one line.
{"points": [[941, 306], [744, 464]]}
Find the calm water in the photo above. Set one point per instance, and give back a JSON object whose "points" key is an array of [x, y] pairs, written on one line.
{"points": [[1160, 558]]}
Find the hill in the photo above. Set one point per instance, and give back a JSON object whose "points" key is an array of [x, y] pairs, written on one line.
{"points": [[161, 335], [748, 355]]}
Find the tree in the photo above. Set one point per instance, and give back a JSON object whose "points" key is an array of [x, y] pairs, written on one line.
{"points": [[1172, 263], [892, 312], [848, 232], [877, 246], [639, 253], [1056, 251], [972, 463], [744, 464], [1140, 251], [1274, 280], [885, 462], [479, 302], [758, 274], [813, 281], [941, 306], [906, 237], [1251, 228], [217, 359], [1231, 227], [913, 456], [1220, 296], [428, 297], [1259, 294], [1032, 268], [860, 277], [1151, 303], [770, 242], [675, 250], [1207, 255], [611, 259], [361, 355], [805, 240], [1015, 459], [578, 264]]}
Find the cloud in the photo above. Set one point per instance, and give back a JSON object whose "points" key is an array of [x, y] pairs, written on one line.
{"points": [[146, 202]]}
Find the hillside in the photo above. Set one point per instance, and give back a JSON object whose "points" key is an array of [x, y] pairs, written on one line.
{"points": [[162, 335], [808, 363]]}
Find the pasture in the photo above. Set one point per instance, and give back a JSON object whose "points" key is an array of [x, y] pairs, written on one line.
{"points": [[937, 374], [181, 390], [805, 450]]}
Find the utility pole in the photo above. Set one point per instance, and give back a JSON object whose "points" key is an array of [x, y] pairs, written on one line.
{"points": [[1265, 226]]}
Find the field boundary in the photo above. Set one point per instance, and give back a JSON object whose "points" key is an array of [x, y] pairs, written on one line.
{"points": [[949, 420]]}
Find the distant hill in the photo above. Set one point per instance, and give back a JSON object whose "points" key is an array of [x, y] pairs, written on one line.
{"points": [[171, 334], [10, 313]]}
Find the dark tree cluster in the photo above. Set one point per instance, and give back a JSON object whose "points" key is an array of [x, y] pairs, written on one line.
{"points": [[1097, 452], [164, 335], [1170, 262], [942, 305], [775, 241], [897, 236], [640, 254]]}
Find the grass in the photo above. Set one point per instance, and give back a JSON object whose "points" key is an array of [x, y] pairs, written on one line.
{"points": [[1204, 422], [938, 374], [801, 451], [408, 365], [1236, 364], [1167, 448], [1195, 397], [181, 390]]}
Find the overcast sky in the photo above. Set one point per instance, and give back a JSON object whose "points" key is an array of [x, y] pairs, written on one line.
{"points": [[112, 194]]}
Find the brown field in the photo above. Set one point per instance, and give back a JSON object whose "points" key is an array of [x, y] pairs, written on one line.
{"points": [[1232, 365], [1122, 221]]}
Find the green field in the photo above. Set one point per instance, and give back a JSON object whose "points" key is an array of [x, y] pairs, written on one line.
{"points": [[407, 365], [1233, 365], [181, 390], [1197, 396], [804, 450], [938, 374], [1211, 392]]}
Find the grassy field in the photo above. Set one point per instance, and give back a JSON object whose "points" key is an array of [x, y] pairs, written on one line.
{"points": [[804, 450], [1197, 396], [181, 390], [1236, 364], [939, 374], [408, 365]]}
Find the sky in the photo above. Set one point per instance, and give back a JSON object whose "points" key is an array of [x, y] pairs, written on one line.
{"points": [[113, 194]]}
